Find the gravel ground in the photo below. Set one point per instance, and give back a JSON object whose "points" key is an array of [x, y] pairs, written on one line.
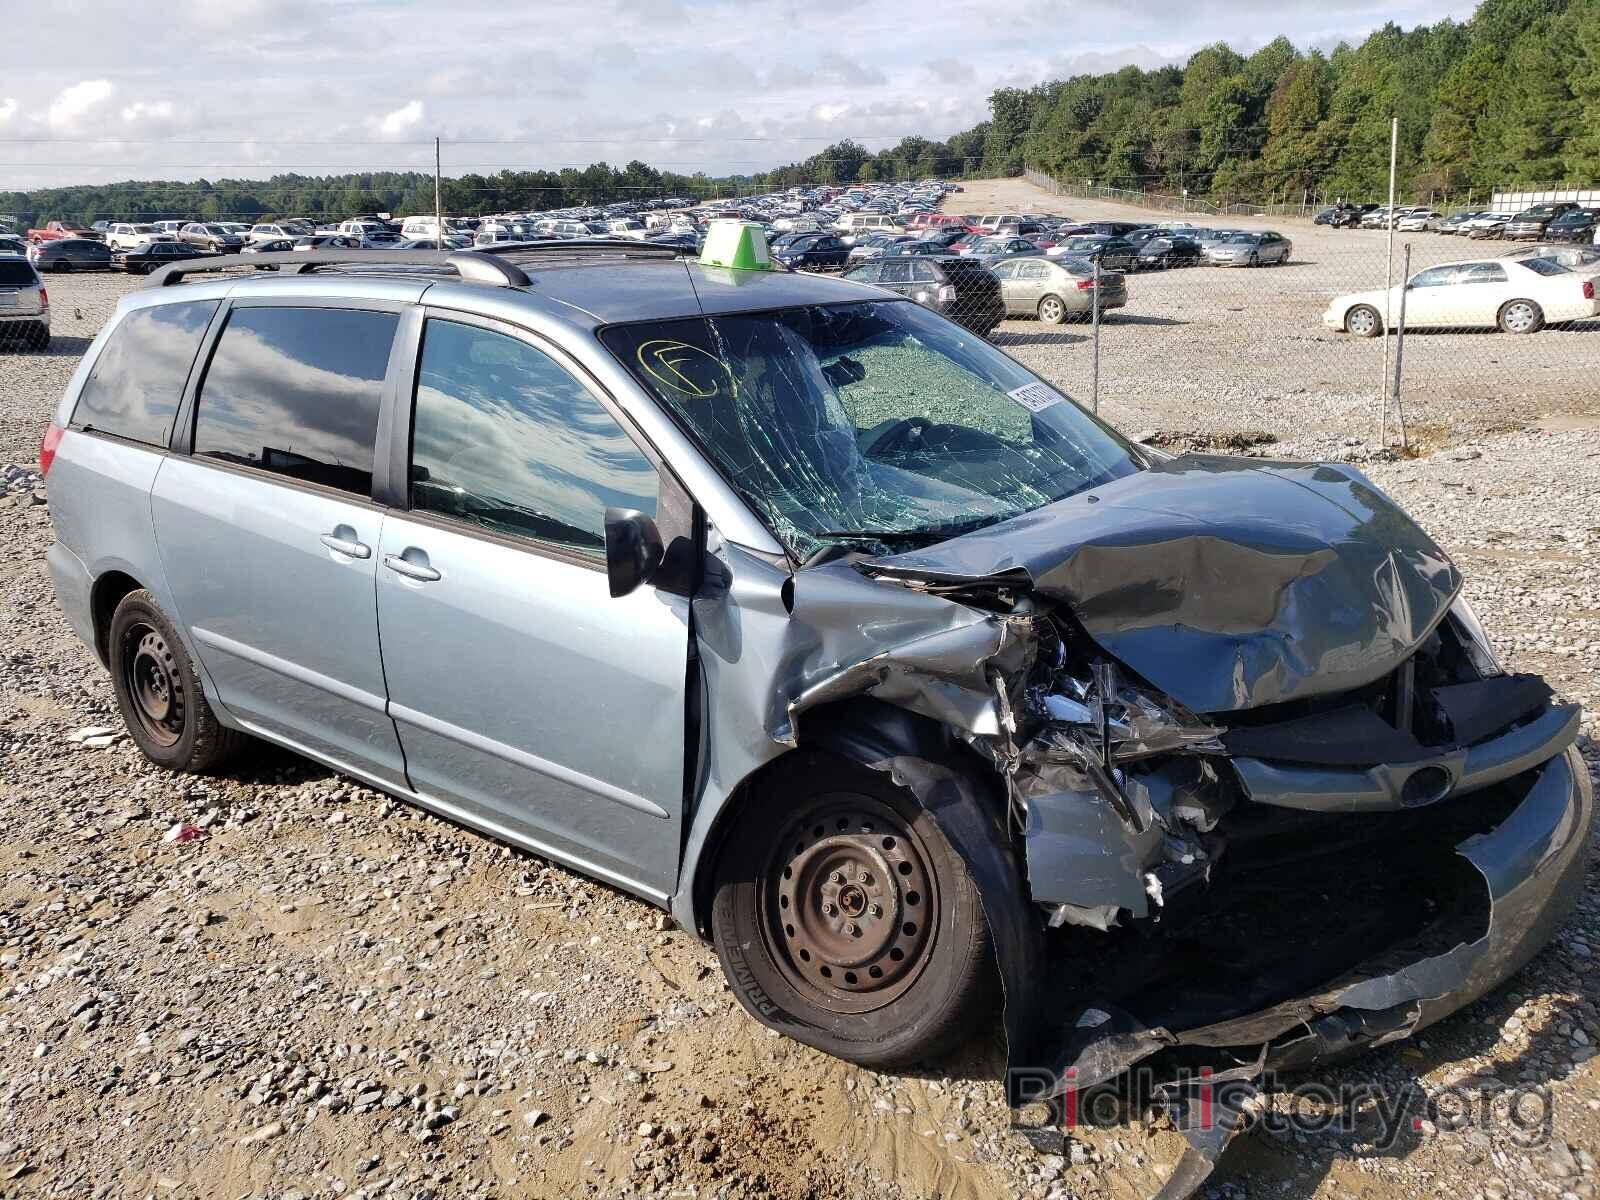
{"points": [[279, 983]]}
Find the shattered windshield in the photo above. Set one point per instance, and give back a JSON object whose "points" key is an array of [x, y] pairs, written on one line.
{"points": [[868, 424]]}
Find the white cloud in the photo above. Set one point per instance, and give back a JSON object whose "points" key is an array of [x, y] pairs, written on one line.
{"points": [[69, 110], [8, 109], [399, 122], [159, 112]]}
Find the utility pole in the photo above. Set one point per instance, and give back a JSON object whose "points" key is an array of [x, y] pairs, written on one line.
{"points": [[438, 198], [1388, 284]]}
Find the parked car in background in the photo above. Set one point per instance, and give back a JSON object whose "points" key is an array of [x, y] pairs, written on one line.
{"points": [[212, 237], [425, 243], [1056, 289], [1489, 225], [1108, 228], [141, 260], [55, 231], [24, 306], [1580, 260], [268, 246], [71, 254], [1574, 225], [991, 250], [1514, 295], [1169, 251], [1419, 220], [914, 247], [170, 227], [329, 241], [1344, 216], [125, 235], [1113, 253], [1453, 224], [965, 291], [278, 230], [1246, 249], [814, 251], [872, 245], [1531, 222], [10, 243]]}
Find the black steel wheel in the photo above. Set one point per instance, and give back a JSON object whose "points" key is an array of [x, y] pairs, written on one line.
{"points": [[158, 690], [844, 918], [151, 678]]}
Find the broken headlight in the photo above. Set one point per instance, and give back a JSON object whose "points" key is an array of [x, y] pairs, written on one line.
{"points": [[1474, 640]]}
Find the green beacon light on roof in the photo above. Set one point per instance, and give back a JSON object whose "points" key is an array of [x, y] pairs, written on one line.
{"points": [[739, 245]]}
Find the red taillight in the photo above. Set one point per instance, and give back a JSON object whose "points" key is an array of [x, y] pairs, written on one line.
{"points": [[44, 297], [47, 448], [1588, 289]]}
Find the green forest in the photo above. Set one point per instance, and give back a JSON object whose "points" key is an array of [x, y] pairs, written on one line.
{"points": [[1510, 97]]}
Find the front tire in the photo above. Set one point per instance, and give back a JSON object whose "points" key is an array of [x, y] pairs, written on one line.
{"points": [[843, 917], [1052, 311], [158, 691], [1520, 316], [1363, 321]]}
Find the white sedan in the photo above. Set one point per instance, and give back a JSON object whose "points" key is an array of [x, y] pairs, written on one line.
{"points": [[1516, 295]]}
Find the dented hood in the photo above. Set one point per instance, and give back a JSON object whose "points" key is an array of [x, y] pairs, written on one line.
{"points": [[1228, 583]]}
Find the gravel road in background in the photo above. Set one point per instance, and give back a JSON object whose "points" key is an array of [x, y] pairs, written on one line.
{"points": [[277, 982]]}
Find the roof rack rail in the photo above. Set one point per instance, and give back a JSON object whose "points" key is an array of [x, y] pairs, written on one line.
{"points": [[581, 247], [472, 265]]}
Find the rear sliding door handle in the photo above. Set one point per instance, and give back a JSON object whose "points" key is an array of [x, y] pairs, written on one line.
{"points": [[411, 570], [346, 546]]}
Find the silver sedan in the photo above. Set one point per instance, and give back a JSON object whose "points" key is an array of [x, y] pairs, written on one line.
{"points": [[1054, 289], [1249, 250]]}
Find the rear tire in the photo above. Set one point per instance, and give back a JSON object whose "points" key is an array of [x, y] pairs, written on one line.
{"points": [[843, 917], [1363, 321], [1052, 311], [158, 691], [1520, 316]]}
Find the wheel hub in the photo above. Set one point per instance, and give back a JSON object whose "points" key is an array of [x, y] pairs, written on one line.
{"points": [[853, 905]]}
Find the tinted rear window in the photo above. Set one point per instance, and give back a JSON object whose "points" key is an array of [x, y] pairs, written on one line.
{"points": [[138, 379], [295, 391], [14, 273]]}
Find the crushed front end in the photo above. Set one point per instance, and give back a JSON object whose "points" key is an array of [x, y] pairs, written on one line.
{"points": [[1274, 799]]}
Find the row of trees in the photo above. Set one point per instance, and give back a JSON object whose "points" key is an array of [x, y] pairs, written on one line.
{"points": [[335, 196], [1509, 97]]}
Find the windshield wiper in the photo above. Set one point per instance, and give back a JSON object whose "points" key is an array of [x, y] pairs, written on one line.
{"points": [[915, 537]]}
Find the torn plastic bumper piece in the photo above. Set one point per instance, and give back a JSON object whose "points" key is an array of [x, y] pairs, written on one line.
{"points": [[1412, 784], [1531, 866]]}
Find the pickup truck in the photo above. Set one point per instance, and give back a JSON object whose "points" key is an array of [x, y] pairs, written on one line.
{"points": [[55, 231]]}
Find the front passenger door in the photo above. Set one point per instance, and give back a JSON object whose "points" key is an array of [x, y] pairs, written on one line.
{"points": [[528, 700]]}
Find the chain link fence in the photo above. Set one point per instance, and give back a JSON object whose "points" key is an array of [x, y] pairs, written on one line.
{"points": [[1272, 321]]}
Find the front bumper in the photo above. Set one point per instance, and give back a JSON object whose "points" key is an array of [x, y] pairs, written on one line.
{"points": [[1513, 882]]}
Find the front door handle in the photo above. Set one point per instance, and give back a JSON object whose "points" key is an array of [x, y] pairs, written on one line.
{"points": [[411, 570], [349, 547]]}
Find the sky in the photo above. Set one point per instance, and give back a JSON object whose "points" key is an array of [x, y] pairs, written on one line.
{"points": [[188, 89]]}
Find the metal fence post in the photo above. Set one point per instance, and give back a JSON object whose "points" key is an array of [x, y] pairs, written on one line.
{"points": [[1094, 378], [1400, 347]]}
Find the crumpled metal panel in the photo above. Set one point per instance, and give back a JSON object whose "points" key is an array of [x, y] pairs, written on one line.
{"points": [[1226, 583]]}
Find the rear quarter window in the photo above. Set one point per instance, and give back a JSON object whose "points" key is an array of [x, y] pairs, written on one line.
{"points": [[16, 274], [138, 380]]}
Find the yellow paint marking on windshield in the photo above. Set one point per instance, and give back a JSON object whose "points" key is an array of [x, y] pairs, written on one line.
{"points": [[669, 363]]}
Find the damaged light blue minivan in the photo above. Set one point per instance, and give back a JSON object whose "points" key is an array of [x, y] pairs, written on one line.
{"points": [[795, 608]]}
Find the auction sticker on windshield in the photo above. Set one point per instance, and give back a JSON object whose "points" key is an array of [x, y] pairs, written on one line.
{"points": [[1035, 397]]}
